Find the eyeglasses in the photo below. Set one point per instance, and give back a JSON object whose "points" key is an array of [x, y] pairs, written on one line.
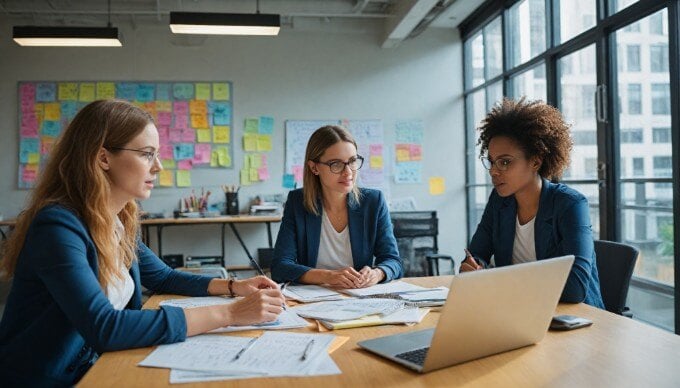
{"points": [[338, 166], [150, 156], [502, 164]]}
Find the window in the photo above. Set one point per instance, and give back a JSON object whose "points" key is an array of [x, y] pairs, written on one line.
{"points": [[638, 167], [590, 167], [531, 84], [571, 26], [661, 135], [584, 138], [631, 135], [634, 99], [663, 166], [658, 55], [634, 27], [633, 56], [526, 21], [493, 48], [656, 24], [661, 99]]}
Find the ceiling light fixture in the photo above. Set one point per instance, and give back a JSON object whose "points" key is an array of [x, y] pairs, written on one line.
{"points": [[225, 23]]}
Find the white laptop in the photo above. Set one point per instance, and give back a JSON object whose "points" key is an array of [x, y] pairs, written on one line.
{"points": [[486, 312]]}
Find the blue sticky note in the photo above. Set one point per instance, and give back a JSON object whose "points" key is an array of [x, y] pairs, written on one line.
{"points": [[51, 128], [69, 109], [183, 151], [126, 91], [28, 146], [289, 181], [408, 172], [163, 92], [46, 92], [266, 125], [183, 91], [145, 92], [221, 113]]}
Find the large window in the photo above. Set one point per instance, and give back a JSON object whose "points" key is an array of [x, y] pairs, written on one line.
{"points": [[606, 65]]}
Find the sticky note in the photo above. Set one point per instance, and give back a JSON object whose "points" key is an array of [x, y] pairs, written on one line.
{"points": [[202, 153], [289, 181], [106, 90], [69, 109], [183, 151], [29, 173], [183, 178], [214, 161], [33, 158], [403, 152], [245, 177], [221, 134], [45, 92], [29, 125], [46, 144], [255, 161], [437, 185], [250, 142], [163, 92], [146, 92], [203, 135], [27, 93], [166, 178], [221, 113], [175, 135], [126, 90], [198, 107], [375, 149], [183, 91], [188, 135], [51, 128], [199, 120], [263, 173], [28, 146], [264, 142], [416, 151], [53, 111], [87, 92], [68, 91], [266, 125], [297, 173], [223, 158], [202, 91], [254, 176], [163, 106], [185, 165], [181, 121], [251, 125], [164, 119], [221, 91], [168, 163], [376, 162]]}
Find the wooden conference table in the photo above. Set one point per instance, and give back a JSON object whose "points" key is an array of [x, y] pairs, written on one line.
{"points": [[614, 351]]}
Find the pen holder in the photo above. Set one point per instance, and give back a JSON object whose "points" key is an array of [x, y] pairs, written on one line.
{"points": [[232, 203]]}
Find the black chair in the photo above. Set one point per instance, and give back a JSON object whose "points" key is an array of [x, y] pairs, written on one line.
{"points": [[416, 233], [615, 264]]}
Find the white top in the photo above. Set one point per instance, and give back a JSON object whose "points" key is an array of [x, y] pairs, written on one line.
{"points": [[524, 248], [335, 249], [119, 291]]}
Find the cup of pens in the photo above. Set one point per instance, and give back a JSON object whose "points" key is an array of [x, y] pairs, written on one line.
{"points": [[231, 193]]}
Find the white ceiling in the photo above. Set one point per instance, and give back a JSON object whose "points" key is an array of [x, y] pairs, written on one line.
{"points": [[399, 19]]}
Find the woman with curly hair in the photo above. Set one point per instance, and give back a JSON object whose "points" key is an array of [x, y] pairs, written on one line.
{"points": [[524, 145]]}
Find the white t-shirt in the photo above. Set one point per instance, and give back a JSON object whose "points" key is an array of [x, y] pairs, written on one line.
{"points": [[335, 249], [524, 248], [119, 291]]}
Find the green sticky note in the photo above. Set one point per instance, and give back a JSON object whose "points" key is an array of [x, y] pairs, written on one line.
{"points": [[202, 91], [183, 178], [221, 91], [245, 177], [250, 142], [254, 175], [252, 125]]}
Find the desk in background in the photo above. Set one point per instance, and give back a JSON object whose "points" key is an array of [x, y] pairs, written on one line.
{"points": [[614, 351], [161, 223]]}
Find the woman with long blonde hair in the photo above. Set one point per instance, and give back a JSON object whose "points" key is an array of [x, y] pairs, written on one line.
{"points": [[334, 232], [78, 265]]}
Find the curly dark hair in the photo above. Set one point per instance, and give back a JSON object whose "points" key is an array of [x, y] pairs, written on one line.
{"points": [[538, 128]]}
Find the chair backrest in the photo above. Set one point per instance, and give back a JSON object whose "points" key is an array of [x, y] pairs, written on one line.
{"points": [[615, 264], [416, 233]]}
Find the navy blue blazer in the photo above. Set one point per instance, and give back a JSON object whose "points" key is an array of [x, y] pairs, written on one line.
{"points": [[58, 319], [370, 234], [562, 227]]}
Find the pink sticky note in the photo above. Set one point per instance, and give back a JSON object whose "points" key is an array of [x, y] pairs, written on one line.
{"points": [[175, 135], [375, 149], [264, 159], [188, 135], [297, 172], [202, 153], [416, 151], [29, 174], [263, 173], [164, 119], [163, 134], [181, 121], [180, 108], [29, 126], [185, 164], [46, 144], [167, 152]]}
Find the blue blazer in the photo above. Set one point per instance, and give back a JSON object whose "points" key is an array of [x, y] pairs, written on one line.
{"points": [[370, 234], [562, 227], [58, 319]]}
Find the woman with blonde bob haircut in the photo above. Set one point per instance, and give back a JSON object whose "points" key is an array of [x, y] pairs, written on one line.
{"points": [[78, 265], [334, 232]]}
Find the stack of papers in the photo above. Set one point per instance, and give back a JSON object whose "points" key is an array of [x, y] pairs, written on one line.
{"points": [[288, 319], [407, 315], [348, 309], [393, 287], [310, 293], [428, 297], [274, 354]]}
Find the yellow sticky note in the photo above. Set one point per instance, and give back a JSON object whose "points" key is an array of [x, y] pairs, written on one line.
{"points": [[246, 161], [254, 175], [199, 120], [245, 177], [223, 159], [250, 142], [264, 143], [202, 91], [376, 162], [68, 91], [53, 111], [33, 158], [221, 91], [198, 107], [166, 178], [169, 163], [183, 178], [214, 159], [403, 153], [106, 90], [437, 185], [163, 106], [255, 161], [203, 135], [221, 134], [87, 92]]}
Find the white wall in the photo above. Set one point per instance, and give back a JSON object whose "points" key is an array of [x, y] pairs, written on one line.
{"points": [[301, 74]]}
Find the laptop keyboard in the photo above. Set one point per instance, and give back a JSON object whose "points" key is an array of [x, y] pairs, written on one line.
{"points": [[415, 356]]}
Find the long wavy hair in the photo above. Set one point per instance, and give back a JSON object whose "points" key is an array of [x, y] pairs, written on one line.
{"points": [[73, 178], [322, 139]]}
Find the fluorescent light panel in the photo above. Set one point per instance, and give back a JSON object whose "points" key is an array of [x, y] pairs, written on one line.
{"points": [[224, 23], [66, 36]]}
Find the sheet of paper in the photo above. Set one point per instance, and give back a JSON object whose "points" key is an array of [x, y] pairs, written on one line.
{"points": [[347, 309], [310, 293], [439, 293], [393, 287]]}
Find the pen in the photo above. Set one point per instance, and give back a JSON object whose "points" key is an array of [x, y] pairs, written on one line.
{"points": [[468, 255], [305, 354], [283, 287], [243, 350]]}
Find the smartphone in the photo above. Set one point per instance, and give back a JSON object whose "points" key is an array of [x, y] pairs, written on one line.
{"points": [[569, 322]]}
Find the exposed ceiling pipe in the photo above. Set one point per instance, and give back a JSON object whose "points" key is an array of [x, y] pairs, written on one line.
{"points": [[437, 10]]}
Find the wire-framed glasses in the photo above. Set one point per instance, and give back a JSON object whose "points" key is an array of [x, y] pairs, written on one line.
{"points": [[150, 156], [338, 166]]}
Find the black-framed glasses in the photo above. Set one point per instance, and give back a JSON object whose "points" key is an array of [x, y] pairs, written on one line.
{"points": [[150, 156], [338, 166], [502, 164]]}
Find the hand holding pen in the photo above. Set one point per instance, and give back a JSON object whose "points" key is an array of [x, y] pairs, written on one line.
{"points": [[469, 264]]}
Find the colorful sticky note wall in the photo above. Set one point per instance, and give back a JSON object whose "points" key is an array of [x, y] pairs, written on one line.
{"points": [[408, 152], [257, 137], [194, 121]]}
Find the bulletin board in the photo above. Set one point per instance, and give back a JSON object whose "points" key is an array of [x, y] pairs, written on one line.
{"points": [[367, 133], [194, 121]]}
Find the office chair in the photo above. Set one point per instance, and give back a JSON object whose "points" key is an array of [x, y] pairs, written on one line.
{"points": [[416, 233], [615, 264]]}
